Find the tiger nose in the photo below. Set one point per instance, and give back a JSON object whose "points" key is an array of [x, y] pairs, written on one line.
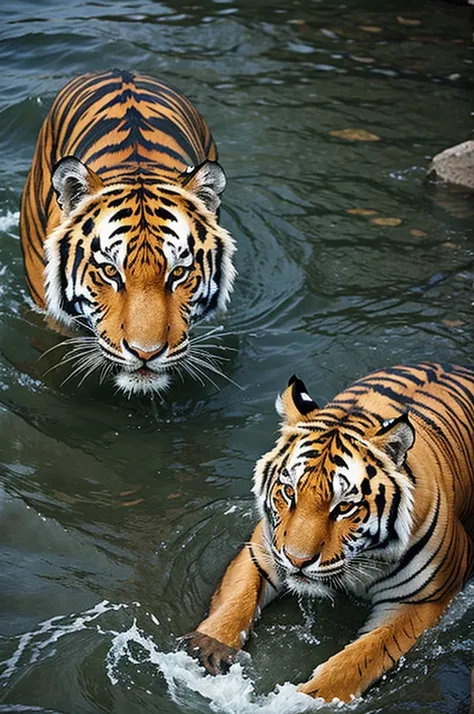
{"points": [[299, 562], [145, 355]]}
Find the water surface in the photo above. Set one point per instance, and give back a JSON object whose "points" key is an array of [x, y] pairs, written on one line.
{"points": [[118, 517]]}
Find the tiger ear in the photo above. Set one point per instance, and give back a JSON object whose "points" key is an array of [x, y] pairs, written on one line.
{"points": [[295, 405], [396, 437], [207, 181], [73, 181]]}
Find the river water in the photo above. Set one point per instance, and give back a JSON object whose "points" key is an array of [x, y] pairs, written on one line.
{"points": [[118, 517]]}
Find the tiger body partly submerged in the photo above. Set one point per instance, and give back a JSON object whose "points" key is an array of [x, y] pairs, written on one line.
{"points": [[119, 224], [372, 494]]}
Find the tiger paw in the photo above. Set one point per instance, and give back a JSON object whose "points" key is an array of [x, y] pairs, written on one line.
{"points": [[330, 684], [216, 657]]}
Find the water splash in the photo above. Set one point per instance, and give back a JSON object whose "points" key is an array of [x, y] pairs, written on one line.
{"points": [[130, 648], [32, 645], [188, 684], [9, 220], [232, 693]]}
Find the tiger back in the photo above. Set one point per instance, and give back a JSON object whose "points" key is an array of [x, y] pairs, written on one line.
{"points": [[119, 222], [371, 495]]}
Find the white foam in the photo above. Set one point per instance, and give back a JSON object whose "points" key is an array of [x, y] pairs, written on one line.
{"points": [[10, 219], [188, 684], [232, 693], [48, 633]]}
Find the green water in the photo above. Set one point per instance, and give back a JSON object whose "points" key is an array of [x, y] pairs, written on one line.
{"points": [[142, 504]]}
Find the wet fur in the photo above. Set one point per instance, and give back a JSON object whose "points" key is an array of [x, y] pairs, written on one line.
{"points": [[373, 495], [122, 195]]}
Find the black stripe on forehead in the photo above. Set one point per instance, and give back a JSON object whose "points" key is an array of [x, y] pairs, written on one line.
{"points": [[164, 214], [338, 461], [168, 231], [318, 477], [117, 201], [88, 226], [120, 215], [201, 230], [140, 252], [168, 202], [120, 230]]}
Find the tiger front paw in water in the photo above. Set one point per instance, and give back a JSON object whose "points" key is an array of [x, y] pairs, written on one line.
{"points": [[119, 229], [341, 677], [330, 686], [371, 495], [216, 657]]}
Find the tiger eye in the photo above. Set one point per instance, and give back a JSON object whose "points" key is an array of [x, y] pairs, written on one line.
{"points": [[289, 491], [345, 507], [109, 270], [178, 272]]}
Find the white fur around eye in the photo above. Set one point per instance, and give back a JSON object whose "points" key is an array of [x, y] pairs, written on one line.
{"points": [[346, 514], [341, 485], [285, 477], [290, 499]]}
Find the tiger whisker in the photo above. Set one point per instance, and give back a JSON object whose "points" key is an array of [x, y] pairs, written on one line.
{"points": [[361, 562], [212, 330], [265, 555], [213, 359], [222, 348], [354, 578], [84, 360], [192, 373], [85, 363], [66, 359], [68, 341], [88, 373], [368, 567], [205, 353], [206, 365], [204, 348], [105, 371], [74, 352], [81, 322], [212, 333], [202, 339], [199, 369], [178, 369]]}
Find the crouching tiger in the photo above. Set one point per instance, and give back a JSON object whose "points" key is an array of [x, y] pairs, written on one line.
{"points": [[373, 495], [130, 247]]}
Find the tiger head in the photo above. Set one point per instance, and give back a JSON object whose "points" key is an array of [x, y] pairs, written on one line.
{"points": [[137, 263], [335, 499]]}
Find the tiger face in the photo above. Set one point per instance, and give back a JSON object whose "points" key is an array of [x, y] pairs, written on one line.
{"points": [[336, 505], [137, 264]]}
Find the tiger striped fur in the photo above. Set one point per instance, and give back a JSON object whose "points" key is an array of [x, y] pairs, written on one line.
{"points": [[372, 495], [119, 226]]}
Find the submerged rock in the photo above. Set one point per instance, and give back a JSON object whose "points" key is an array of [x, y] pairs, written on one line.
{"points": [[454, 165]]}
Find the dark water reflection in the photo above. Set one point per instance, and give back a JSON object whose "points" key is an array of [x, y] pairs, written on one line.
{"points": [[118, 517]]}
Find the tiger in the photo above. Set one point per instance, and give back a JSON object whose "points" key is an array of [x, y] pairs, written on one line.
{"points": [[371, 495], [119, 226]]}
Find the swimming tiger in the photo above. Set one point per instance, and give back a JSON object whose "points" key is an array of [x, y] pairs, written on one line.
{"points": [[371, 495], [119, 225]]}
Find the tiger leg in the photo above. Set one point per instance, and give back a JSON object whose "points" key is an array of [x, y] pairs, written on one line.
{"points": [[249, 583], [351, 671]]}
